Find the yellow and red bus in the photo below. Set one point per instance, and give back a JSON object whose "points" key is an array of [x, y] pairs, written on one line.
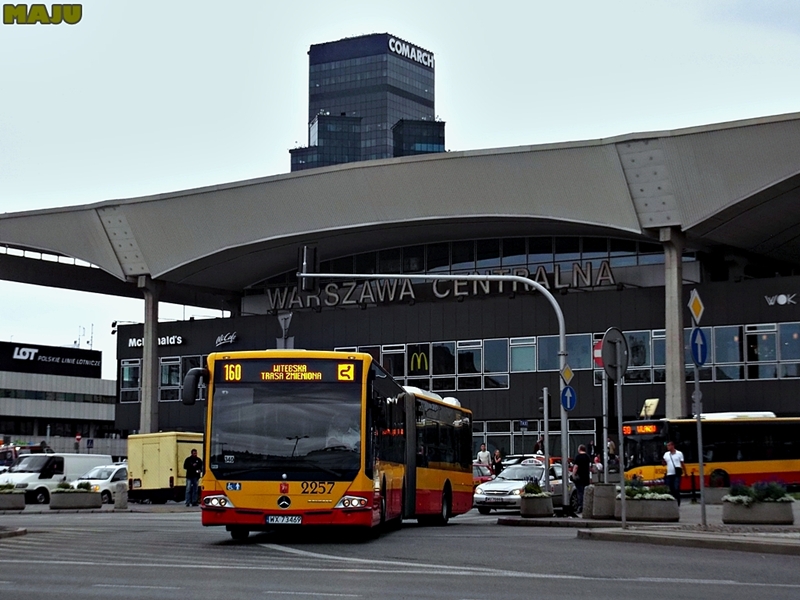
{"points": [[304, 438], [737, 448]]}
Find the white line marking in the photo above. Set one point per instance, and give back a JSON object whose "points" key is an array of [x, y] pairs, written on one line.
{"points": [[314, 594], [435, 570], [138, 587]]}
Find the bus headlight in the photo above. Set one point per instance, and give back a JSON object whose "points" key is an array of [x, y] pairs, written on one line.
{"points": [[352, 502], [220, 501]]}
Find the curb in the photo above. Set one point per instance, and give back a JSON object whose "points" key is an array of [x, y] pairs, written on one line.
{"points": [[568, 523], [705, 540]]}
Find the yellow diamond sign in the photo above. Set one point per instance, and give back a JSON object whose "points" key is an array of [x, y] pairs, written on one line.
{"points": [[566, 374], [696, 306]]}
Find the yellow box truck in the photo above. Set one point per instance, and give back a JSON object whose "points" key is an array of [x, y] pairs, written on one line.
{"points": [[155, 465]]}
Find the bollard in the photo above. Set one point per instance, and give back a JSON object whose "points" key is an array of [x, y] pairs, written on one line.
{"points": [[121, 496]]}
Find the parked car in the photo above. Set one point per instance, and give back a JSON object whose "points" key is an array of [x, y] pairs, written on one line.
{"points": [[104, 479], [505, 489], [480, 474]]}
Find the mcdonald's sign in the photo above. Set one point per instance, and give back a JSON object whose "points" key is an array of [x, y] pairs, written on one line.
{"points": [[417, 362]]}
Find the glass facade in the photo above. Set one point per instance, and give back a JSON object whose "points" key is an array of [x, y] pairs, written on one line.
{"points": [[363, 78]]}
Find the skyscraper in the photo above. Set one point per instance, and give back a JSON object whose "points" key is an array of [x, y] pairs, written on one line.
{"points": [[359, 89]]}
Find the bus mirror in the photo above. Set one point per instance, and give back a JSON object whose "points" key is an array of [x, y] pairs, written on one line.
{"points": [[191, 382]]}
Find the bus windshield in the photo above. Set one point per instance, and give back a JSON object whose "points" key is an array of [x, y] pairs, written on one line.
{"points": [[276, 430], [644, 450]]}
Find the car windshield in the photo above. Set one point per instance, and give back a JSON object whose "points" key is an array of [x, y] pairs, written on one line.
{"points": [[98, 473], [522, 473], [30, 463]]}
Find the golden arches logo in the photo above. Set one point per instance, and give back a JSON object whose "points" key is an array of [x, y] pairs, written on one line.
{"points": [[416, 361]]}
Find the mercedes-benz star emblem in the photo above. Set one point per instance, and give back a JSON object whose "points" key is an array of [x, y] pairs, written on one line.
{"points": [[284, 502]]}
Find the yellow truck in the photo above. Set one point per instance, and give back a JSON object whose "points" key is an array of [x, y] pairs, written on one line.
{"points": [[155, 465]]}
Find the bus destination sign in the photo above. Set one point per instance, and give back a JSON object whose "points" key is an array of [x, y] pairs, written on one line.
{"points": [[289, 371]]}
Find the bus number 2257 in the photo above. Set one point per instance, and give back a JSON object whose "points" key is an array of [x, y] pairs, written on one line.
{"points": [[316, 487]]}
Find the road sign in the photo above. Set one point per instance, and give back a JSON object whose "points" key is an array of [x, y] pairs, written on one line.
{"points": [[90, 443], [77, 437], [567, 374], [696, 306], [597, 353], [523, 424], [568, 398], [699, 346], [611, 339]]}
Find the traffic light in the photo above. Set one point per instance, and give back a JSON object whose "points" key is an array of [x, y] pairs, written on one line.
{"points": [[307, 263]]}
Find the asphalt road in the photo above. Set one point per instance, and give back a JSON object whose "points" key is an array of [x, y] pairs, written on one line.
{"points": [[160, 555]]}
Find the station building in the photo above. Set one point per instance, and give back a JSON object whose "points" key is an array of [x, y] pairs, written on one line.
{"points": [[620, 231]]}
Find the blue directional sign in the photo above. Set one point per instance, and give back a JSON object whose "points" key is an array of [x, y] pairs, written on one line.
{"points": [[699, 346], [568, 398], [523, 423]]}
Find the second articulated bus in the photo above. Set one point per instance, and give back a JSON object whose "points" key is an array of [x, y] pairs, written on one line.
{"points": [[304, 438], [737, 448]]}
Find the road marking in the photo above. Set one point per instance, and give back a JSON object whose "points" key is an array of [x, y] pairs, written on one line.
{"points": [[443, 570], [314, 594], [138, 587]]}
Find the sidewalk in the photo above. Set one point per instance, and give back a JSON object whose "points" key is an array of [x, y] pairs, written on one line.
{"points": [[765, 539]]}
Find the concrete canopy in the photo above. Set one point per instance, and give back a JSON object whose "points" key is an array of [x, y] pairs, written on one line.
{"points": [[733, 185]]}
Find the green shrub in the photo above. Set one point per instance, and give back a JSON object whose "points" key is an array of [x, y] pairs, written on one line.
{"points": [[84, 485], [63, 485], [761, 491]]}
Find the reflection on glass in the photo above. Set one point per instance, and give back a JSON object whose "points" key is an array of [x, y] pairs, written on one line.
{"points": [[638, 348], [495, 357], [443, 356], [727, 344], [438, 257], [729, 373], [523, 359], [760, 347], [568, 248], [548, 353], [514, 251], [469, 360], [488, 254], [394, 364], [789, 340], [463, 256]]}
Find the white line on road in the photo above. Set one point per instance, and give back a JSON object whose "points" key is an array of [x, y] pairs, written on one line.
{"points": [[138, 587], [409, 568], [313, 594]]}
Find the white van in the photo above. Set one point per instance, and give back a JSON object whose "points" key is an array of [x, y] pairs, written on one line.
{"points": [[104, 479], [39, 474]]}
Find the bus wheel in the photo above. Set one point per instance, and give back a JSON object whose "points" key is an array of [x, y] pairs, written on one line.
{"points": [[444, 516], [239, 534], [41, 496], [719, 478]]}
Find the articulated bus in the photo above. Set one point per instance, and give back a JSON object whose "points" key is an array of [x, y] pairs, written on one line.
{"points": [[737, 448], [304, 438]]}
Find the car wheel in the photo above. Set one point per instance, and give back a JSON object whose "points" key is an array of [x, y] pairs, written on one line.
{"points": [[41, 497], [573, 503], [483, 510], [106, 497]]}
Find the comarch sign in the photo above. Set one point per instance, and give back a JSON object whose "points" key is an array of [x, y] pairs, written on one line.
{"points": [[410, 51], [383, 291]]}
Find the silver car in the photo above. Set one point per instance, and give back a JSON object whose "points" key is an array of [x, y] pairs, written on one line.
{"points": [[504, 491]]}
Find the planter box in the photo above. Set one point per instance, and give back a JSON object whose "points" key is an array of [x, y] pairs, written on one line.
{"points": [[657, 511], [603, 499], [762, 513], [75, 500], [12, 501], [536, 507], [714, 494]]}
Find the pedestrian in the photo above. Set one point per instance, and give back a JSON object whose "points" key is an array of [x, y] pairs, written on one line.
{"points": [[497, 463], [673, 460], [581, 474], [484, 458], [194, 468], [612, 448]]}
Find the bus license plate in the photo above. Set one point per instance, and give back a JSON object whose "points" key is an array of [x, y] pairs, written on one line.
{"points": [[284, 520]]}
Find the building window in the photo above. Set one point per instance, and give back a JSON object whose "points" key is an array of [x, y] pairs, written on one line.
{"points": [[523, 354], [130, 371], [169, 389], [495, 356]]}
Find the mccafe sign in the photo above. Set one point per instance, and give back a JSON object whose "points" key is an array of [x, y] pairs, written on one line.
{"points": [[386, 291]]}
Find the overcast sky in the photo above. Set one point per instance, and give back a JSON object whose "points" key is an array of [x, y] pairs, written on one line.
{"points": [[146, 97]]}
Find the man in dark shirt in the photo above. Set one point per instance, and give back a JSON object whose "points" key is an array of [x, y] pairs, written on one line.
{"points": [[581, 473], [194, 468]]}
